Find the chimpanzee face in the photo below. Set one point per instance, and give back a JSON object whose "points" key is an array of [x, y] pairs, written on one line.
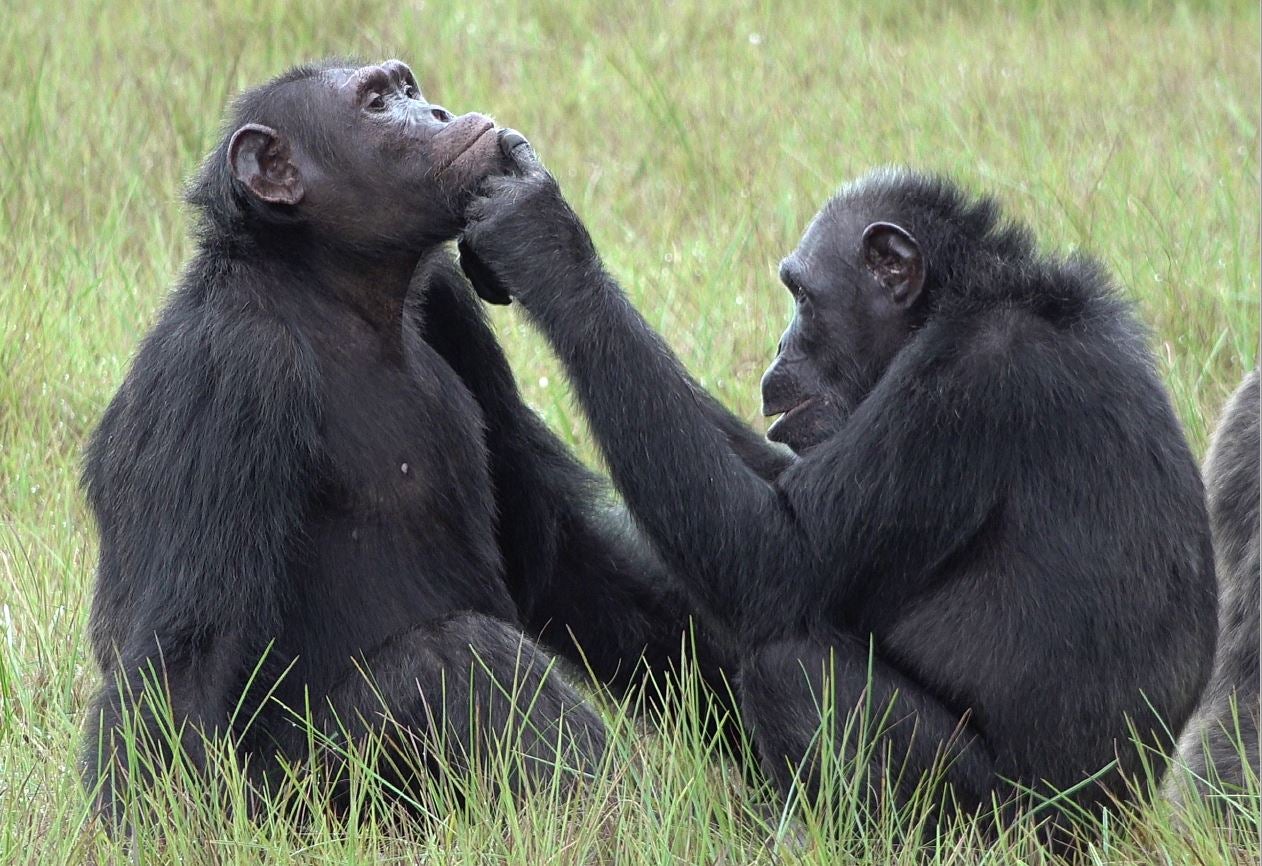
{"points": [[365, 159], [854, 280]]}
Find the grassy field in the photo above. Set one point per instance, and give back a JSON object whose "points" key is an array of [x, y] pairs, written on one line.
{"points": [[696, 139]]}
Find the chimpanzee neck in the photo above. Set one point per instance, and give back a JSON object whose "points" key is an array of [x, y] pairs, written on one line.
{"points": [[372, 286]]}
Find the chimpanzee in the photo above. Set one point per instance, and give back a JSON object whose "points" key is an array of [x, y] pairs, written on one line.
{"points": [[320, 459], [993, 527], [1221, 743]]}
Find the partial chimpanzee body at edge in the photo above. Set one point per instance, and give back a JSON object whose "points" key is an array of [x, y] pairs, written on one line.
{"points": [[1220, 745], [320, 456], [993, 521]]}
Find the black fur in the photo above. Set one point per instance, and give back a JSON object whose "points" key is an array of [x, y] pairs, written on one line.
{"points": [[995, 499], [320, 456], [1228, 716]]}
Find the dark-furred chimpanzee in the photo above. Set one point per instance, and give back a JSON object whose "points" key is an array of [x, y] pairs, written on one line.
{"points": [[993, 520], [1227, 720], [320, 457]]}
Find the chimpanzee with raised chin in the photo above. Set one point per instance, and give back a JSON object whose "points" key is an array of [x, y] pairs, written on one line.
{"points": [[993, 526], [320, 459]]}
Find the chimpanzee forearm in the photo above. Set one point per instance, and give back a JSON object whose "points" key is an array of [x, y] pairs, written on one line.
{"points": [[585, 582], [540, 487], [765, 459], [710, 515], [614, 607]]}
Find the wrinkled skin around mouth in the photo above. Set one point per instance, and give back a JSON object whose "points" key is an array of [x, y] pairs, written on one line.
{"points": [[464, 153]]}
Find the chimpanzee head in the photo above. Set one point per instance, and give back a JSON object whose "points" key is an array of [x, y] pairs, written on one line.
{"points": [[355, 156], [856, 280], [889, 253]]}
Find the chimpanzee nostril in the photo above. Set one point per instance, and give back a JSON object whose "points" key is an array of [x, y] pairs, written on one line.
{"points": [[441, 114]]}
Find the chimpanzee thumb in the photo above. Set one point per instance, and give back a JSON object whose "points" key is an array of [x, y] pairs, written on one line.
{"points": [[519, 151]]}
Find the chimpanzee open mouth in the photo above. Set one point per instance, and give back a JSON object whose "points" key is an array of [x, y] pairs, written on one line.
{"points": [[793, 410]]}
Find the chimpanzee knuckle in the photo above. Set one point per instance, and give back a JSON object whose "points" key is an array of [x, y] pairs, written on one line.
{"points": [[470, 236], [541, 184], [535, 203], [491, 186], [474, 213], [548, 180], [479, 210], [496, 223], [503, 185], [492, 236], [477, 238], [506, 211]]}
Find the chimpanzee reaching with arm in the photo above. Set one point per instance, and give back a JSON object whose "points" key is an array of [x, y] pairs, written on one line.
{"points": [[303, 464], [992, 494]]}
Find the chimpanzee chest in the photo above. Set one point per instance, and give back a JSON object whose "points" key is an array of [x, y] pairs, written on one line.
{"points": [[409, 440], [407, 511]]}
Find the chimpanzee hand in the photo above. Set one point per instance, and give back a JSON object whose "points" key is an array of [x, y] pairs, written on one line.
{"points": [[519, 228]]}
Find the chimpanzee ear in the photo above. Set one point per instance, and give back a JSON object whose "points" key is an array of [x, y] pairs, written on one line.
{"points": [[260, 158], [893, 257]]}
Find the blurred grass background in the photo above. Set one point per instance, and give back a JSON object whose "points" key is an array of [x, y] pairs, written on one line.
{"points": [[696, 139]]}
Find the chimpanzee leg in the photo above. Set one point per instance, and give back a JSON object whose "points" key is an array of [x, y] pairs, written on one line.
{"points": [[461, 693], [884, 728]]}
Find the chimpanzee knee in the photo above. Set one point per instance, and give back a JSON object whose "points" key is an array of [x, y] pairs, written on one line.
{"points": [[461, 694], [805, 699], [779, 687]]}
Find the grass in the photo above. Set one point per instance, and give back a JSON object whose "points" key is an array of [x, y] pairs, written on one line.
{"points": [[696, 139]]}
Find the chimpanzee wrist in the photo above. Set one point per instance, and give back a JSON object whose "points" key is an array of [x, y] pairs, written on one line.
{"points": [[568, 297]]}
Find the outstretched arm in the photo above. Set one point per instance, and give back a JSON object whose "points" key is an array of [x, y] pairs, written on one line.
{"points": [[711, 515], [197, 475], [764, 558], [586, 582]]}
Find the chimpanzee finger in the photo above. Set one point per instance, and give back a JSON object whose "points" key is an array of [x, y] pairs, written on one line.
{"points": [[519, 151], [481, 277]]}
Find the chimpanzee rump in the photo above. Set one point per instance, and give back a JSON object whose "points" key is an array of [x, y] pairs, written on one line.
{"points": [[320, 456], [993, 522]]}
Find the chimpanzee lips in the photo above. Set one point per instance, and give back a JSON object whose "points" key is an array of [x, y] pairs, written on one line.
{"points": [[465, 137], [786, 418]]}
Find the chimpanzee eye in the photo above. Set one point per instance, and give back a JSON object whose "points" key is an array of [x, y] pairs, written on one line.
{"points": [[411, 92], [377, 103]]}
